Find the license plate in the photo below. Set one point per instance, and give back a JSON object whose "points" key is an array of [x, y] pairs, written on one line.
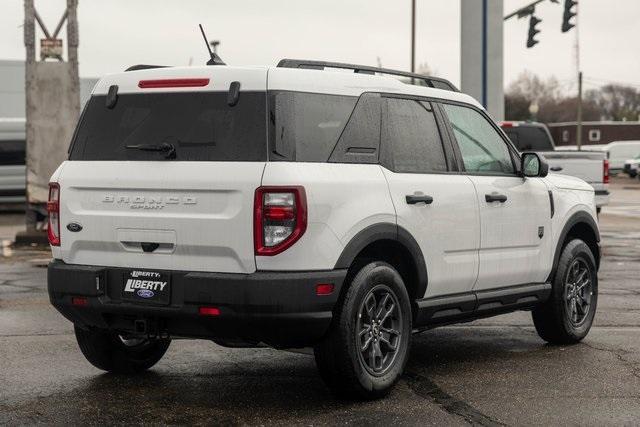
{"points": [[147, 287]]}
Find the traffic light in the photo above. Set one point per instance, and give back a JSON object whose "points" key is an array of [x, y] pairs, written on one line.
{"points": [[568, 14], [533, 21]]}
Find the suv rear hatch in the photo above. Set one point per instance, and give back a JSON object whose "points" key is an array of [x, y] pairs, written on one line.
{"points": [[162, 174]]}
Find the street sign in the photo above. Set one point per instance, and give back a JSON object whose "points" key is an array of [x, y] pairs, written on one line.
{"points": [[51, 48]]}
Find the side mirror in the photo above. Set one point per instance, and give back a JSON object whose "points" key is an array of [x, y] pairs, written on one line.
{"points": [[534, 165]]}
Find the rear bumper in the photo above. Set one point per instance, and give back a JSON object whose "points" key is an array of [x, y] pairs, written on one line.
{"points": [[601, 198], [280, 309]]}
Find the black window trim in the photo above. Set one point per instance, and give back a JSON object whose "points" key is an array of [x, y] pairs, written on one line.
{"points": [[513, 153]]}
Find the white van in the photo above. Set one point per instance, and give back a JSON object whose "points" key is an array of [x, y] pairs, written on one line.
{"points": [[12, 160], [620, 151]]}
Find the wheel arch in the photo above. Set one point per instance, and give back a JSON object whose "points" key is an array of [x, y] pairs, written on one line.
{"points": [[393, 244], [580, 225]]}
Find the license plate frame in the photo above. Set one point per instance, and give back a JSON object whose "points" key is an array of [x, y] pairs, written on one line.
{"points": [[146, 287]]}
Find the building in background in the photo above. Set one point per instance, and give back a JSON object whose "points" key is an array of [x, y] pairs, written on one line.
{"points": [[594, 133], [12, 89]]}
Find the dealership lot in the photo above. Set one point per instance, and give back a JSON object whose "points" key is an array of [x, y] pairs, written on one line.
{"points": [[490, 372]]}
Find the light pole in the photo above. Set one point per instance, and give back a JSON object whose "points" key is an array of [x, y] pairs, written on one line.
{"points": [[413, 36]]}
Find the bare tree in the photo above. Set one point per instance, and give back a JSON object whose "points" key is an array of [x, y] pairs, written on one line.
{"points": [[616, 102], [609, 102]]}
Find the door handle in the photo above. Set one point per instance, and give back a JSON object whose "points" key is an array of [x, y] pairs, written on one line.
{"points": [[413, 199], [556, 168], [495, 197]]}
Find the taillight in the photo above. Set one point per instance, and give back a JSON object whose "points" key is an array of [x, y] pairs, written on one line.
{"points": [[605, 171], [53, 209], [280, 218], [163, 83]]}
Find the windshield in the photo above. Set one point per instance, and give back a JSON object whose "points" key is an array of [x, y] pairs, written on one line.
{"points": [[198, 126], [529, 138]]}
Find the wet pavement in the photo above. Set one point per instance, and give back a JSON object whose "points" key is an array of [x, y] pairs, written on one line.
{"points": [[490, 372]]}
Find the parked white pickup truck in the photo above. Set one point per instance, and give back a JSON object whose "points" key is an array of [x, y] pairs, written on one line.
{"points": [[591, 166]]}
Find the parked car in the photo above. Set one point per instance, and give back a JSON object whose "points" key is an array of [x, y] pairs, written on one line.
{"points": [[632, 166], [12, 161], [295, 207], [591, 166]]}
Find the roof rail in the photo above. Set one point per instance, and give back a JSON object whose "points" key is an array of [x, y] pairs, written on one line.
{"points": [[434, 82], [144, 67]]}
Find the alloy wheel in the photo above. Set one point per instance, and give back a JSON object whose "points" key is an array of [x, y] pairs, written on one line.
{"points": [[578, 292], [379, 330]]}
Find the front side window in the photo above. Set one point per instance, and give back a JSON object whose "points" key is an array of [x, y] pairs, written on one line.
{"points": [[410, 137], [483, 149]]}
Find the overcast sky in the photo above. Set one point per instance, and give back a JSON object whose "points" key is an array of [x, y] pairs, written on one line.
{"points": [[117, 33]]}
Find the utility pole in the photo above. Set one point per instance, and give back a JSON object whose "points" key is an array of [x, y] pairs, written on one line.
{"points": [[413, 36], [52, 108], [579, 118]]}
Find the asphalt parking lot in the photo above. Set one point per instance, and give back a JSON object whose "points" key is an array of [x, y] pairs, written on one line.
{"points": [[491, 372]]}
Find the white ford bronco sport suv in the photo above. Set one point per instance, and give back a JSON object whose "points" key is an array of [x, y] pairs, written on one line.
{"points": [[293, 206]]}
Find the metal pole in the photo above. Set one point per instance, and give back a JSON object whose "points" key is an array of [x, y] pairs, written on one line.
{"points": [[31, 218], [579, 127], [577, 61], [413, 36]]}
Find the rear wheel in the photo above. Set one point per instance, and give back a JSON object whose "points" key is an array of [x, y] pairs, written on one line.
{"points": [[567, 316], [366, 349], [120, 353]]}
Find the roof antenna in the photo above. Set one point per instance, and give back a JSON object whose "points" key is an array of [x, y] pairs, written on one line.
{"points": [[215, 59]]}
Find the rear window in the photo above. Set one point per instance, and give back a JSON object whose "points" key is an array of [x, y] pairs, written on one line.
{"points": [[529, 138], [201, 126]]}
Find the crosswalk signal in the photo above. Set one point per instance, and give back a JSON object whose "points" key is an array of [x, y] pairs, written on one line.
{"points": [[533, 31], [568, 14]]}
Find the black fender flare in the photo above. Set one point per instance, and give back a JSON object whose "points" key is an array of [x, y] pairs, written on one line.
{"points": [[576, 218], [386, 231]]}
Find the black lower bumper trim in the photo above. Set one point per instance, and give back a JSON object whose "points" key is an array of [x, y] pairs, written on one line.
{"points": [[281, 309]]}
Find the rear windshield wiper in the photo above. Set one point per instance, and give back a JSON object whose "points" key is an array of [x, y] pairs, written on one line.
{"points": [[168, 149]]}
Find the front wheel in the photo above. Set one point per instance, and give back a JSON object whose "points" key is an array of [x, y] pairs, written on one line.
{"points": [[119, 353], [567, 316], [366, 348]]}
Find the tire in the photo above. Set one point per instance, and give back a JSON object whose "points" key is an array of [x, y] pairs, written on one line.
{"points": [[108, 351], [559, 320], [345, 369]]}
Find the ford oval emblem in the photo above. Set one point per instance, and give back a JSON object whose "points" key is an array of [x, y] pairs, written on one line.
{"points": [[145, 293], [74, 226]]}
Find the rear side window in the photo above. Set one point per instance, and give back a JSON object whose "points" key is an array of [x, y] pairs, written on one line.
{"points": [[12, 152], [304, 127], [201, 126], [360, 140], [410, 137]]}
